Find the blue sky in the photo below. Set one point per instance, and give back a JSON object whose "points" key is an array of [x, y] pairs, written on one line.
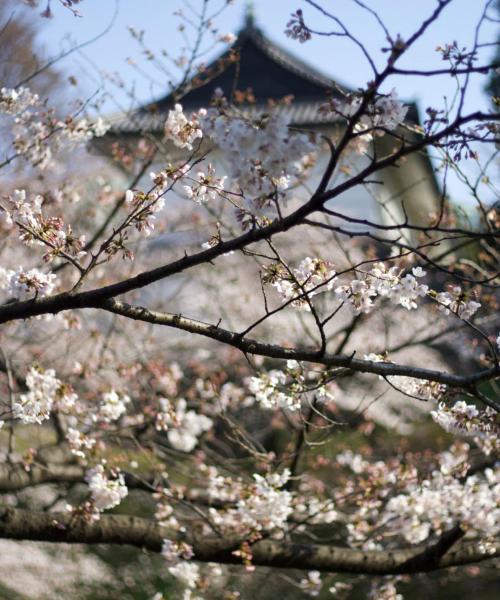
{"points": [[336, 57]]}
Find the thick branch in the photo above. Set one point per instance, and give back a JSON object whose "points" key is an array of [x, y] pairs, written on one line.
{"points": [[251, 346], [16, 477], [143, 533]]}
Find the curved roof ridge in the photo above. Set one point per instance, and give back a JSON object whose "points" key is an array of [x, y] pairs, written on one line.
{"points": [[283, 57]]}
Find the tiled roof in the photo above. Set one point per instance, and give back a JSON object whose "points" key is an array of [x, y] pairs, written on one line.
{"points": [[269, 70], [298, 114]]}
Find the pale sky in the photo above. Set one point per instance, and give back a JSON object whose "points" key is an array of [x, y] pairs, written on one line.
{"points": [[336, 57]]}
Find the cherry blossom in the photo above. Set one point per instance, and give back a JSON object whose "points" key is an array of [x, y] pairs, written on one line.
{"points": [[113, 406], [181, 130], [187, 427], [281, 152], [207, 188], [23, 284], [44, 391], [262, 506], [106, 492], [186, 572], [277, 378], [270, 392], [457, 302], [465, 419], [16, 101], [79, 443], [312, 584], [313, 275]]}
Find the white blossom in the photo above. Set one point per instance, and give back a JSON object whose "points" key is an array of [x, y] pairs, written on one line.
{"points": [[83, 130], [384, 591], [113, 406], [207, 186], [358, 294], [457, 301], [106, 493], [465, 419], [173, 551], [181, 130], [420, 388], [408, 291], [15, 101], [78, 442], [267, 507], [386, 111], [23, 284], [260, 506], [312, 276], [36, 404], [186, 572], [441, 501], [382, 282], [312, 584], [187, 428], [270, 392], [262, 154]]}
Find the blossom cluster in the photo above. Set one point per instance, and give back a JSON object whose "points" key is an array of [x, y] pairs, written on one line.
{"points": [[441, 501], [302, 283], [37, 131], [312, 584], [458, 302], [267, 507], [360, 294], [385, 590], [79, 442], [398, 502], [44, 392], [185, 427], [270, 391], [113, 406], [187, 573], [466, 420], [165, 416], [182, 131], [263, 155], [206, 187], [417, 388], [287, 389], [16, 101], [36, 228], [144, 208], [172, 551], [261, 506], [23, 284], [296, 29], [106, 491], [383, 113], [383, 282]]}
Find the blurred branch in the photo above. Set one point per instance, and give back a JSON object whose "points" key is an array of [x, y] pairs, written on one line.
{"points": [[143, 533]]}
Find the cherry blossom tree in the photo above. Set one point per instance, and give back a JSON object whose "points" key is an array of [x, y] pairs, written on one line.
{"points": [[226, 402]]}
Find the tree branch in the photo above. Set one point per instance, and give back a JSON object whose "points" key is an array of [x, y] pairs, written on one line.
{"points": [[143, 533], [251, 346]]}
